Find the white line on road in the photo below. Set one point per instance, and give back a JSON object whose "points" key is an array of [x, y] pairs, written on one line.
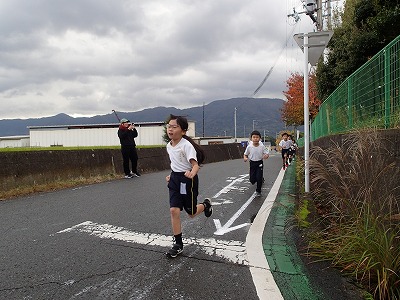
{"points": [[233, 251], [262, 277]]}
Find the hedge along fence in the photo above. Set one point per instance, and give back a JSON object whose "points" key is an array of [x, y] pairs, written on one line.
{"points": [[21, 169]]}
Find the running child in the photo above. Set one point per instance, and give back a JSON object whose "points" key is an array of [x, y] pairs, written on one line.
{"points": [[292, 149], [290, 152], [285, 146], [256, 152], [183, 182]]}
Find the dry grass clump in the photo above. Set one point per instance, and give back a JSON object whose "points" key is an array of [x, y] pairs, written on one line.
{"points": [[357, 194]]}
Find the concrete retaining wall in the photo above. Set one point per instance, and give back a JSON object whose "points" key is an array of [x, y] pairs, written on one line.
{"points": [[391, 137], [29, 168]]}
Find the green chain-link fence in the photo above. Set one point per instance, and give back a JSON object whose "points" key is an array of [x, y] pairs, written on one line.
{"points": [[368, 98]]}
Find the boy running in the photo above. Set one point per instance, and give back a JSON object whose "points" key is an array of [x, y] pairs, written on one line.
{"points": [[256, 152]]}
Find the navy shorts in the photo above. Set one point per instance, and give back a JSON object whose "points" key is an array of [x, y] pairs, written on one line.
{"points": [[285, 152], [183, 192]]}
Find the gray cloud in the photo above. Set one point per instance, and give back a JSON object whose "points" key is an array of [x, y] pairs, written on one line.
{"points": [[88, 57]]}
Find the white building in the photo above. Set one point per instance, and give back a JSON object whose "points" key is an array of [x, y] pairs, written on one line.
{"points": [[149, 133], [90, 135], [16, 141]]}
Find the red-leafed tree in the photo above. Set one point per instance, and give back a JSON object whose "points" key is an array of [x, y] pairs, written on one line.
{"points": [[293, 108]]}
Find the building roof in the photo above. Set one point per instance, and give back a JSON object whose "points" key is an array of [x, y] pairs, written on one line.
{"points": [[14, 137], [88, 126]]}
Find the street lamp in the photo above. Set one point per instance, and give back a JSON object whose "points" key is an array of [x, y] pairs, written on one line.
{"points": [[235, 124], [264, 134], [253, 123]]}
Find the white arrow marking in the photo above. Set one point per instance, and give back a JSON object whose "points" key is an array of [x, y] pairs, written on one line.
{"points": [[221, 230], [233, 251]]}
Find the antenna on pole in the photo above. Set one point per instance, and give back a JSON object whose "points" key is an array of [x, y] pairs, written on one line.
{"points": [[115, 113], [314, 9]]}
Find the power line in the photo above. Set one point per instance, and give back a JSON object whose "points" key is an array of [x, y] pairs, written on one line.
{"points": [[272, 68]]}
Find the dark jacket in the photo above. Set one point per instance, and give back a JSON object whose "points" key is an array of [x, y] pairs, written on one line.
{"points": [[126, 136]]}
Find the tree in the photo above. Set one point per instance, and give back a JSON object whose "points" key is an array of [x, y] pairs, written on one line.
{"points": [[293, 108]]}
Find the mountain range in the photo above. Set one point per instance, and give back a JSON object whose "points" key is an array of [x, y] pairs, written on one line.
{"points": [[213, 119]]}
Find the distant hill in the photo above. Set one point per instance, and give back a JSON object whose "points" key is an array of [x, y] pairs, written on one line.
{"points": [[218, 118]]}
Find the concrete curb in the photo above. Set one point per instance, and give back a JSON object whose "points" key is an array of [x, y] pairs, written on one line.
{"points": [[259, 268], [280, 250]]}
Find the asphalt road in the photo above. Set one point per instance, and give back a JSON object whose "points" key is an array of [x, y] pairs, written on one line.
{"points": [[108, 240]]}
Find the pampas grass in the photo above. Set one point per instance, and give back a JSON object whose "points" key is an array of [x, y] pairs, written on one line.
{"points": [[356, 189]]}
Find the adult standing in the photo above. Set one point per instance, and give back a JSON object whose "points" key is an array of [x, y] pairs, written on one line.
{"points": [[127, 134]]}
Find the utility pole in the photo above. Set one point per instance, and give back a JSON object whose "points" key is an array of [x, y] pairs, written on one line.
{"points": [[322, 9], [319, 15], [203, 119], [235, 123], [313, 45], [306, 119]]}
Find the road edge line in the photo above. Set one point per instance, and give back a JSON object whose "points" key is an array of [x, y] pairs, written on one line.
{"points": [[266, 287]]}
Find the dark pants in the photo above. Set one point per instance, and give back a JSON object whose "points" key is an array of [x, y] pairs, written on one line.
{"points": [[257, 174], [183, 192], [129, 153]]}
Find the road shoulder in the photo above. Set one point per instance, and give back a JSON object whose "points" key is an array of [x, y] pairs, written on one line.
{"points": [[298, 276]]}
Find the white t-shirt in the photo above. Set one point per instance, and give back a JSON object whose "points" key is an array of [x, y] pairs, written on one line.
{"points": [[180, 155], [285, 144], [255, 153]]}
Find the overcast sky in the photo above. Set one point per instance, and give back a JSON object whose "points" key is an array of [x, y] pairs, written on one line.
{"points": [[88, 57]]}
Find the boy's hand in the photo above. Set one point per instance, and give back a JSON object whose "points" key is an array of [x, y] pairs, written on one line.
{"points": [[167, 178]]}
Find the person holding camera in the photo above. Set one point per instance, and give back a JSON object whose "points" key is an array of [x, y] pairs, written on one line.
{"points": [[127, 134]]}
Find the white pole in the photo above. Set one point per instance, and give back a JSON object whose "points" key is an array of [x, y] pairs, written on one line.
{"points": [[306, 119], [235, 124]]}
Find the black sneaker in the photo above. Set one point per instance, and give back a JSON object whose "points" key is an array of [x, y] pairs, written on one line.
{"points": [[174, 251], [135, 174], [207, 207], [129, 176]]}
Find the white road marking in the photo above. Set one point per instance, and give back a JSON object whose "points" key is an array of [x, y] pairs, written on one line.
{"points": [[221, 230], [221, 201], [251, 253], [232, 251], [231, 185], [260, 271]]}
